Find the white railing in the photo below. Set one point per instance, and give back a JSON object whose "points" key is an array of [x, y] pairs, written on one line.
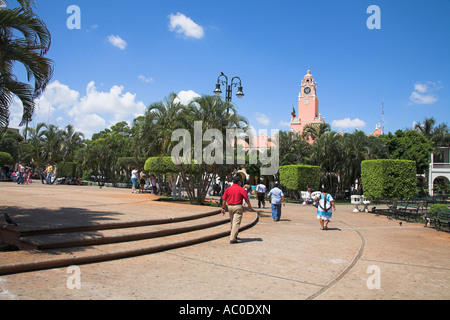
{"points": [[440, 166]]}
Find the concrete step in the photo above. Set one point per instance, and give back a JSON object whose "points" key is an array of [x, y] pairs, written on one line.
{"points": [[96, 225], [128, 232], [33, 260], [37, 236]]}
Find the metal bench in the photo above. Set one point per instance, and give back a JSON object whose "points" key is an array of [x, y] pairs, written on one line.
{"points": [[414, 210], [439, 218], [443, 218]]}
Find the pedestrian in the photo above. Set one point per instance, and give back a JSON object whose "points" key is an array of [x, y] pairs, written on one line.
{"points": [[248, 189], [21, 174], [309, 199], [276, 197], [142, 177], [234, 197], [134, 180], [261, 194], [324, 203], [49, 172], [154, 186]]}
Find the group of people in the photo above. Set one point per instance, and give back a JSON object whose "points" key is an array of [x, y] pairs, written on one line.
{"points": [[22, 175], [236, 196], [143, 181]]}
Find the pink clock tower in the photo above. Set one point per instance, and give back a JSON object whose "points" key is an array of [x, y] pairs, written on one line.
{"points": [[308, 105]]}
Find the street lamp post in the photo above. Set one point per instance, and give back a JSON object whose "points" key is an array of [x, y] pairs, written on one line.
{"points": [[235, 82], [229, 87]]}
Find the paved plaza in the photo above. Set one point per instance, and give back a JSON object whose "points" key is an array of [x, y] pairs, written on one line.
{"points": [[361, 256]]}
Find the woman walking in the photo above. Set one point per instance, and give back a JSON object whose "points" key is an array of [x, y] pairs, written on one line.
{"points": [[324, 212], [134, 180]]}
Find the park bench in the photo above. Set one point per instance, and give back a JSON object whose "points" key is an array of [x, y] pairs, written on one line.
{"points": [[397, 208], [407, 209], [413, 209], [439, 219]]}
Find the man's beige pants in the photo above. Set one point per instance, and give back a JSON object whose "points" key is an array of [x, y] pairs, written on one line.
{"points": [[236, 213]]}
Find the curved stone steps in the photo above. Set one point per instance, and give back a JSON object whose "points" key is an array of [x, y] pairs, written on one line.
{"points": [[33, 260], [126, 233]]}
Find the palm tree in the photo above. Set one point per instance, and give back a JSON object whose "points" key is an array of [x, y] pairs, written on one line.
{"points": [[53, 143], [71, 139], [28, 51], [34, 147], [440, 134], [162, 118], [326, 152], [315, 131], [293, 149], [214, 113]]}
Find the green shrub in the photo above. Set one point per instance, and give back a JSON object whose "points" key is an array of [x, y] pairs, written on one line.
{"points": [[6, 159], [395, 179], [298, 177], [437, 206], [160, 165]]}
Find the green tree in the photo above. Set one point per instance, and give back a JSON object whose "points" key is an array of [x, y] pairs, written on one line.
{"points": [[33, 149], [439, 134], [11, 142], [28, 50], [53, 143], [214, 113], [315, 131], [162, 119], [293, 148], [410, 145], [71, 141], [6, 159], [326, 152], [103, 151]]}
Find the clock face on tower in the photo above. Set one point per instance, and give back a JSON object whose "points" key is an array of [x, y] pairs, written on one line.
{"points": [[307, 90]]}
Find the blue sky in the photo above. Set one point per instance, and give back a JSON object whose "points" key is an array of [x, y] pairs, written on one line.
{"points": [[127, 55]]}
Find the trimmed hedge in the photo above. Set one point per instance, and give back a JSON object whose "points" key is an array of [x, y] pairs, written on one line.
{"points": [[386, 178], [6, 159], [298, 177], [160, 165]]}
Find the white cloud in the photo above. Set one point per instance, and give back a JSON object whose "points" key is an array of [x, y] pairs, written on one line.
{"points": [[114, 105], [117, 42], [423, 93], [185, 97], [15, 113], [185, 26], [145, 79], [348, 123], [284, 124], [58, 95], [419, 87], [417, 98], [263, 119], [91, 113]]}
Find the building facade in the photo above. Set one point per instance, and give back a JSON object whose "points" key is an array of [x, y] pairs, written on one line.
{"points": [[439, 168], [308, 105]]}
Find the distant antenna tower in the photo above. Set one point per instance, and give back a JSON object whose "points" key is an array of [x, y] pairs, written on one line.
{"points": [[382, 118]]}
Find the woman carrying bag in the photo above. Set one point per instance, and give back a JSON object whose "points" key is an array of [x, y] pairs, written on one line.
{"points": [[324, 202]]}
